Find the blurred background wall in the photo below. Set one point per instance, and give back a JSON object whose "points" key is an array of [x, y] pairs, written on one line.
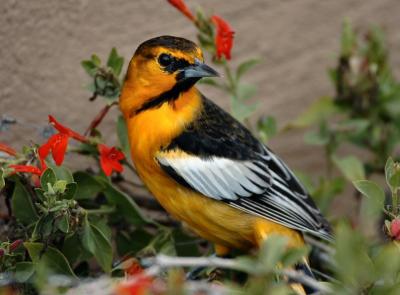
{"points": [[43, 42]]}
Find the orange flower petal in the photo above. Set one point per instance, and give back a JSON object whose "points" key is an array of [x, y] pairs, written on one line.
{"points": [[181, 6], [65, 130], [223, 38], [7, 149]]}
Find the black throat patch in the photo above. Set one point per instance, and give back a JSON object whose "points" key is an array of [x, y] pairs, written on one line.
{"points": [[168, 96]]}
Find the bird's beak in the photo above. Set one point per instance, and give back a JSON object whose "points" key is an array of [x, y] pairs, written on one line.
{"points": [[199, 70]]}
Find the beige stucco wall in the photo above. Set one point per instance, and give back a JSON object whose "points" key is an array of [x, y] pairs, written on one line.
{"points": [[42, 43]]}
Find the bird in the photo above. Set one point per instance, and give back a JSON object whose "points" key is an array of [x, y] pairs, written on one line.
{"points": [[202, 165]]}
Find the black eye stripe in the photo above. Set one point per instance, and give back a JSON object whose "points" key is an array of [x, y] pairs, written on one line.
{"points": [[173, 63]]}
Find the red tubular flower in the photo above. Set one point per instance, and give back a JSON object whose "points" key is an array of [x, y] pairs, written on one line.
{"points": [[65, 130], [58, 143], [14, 245], [224, 37], [27, 169], [395, 229], [110, 159], [181, 6], [139, 285], [2, 252], [8, 150]]}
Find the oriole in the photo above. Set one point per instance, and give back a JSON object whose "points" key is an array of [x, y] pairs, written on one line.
{"points": [[203, 166]]}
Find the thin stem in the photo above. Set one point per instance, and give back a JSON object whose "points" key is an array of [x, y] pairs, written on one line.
{"points": [[163, 261], [107, 210], [395, 201]]}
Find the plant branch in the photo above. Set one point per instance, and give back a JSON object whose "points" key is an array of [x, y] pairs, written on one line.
{"points": [[162, 261]]}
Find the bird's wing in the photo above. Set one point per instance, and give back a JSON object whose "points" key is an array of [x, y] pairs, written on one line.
{"points": [[222, 160]]}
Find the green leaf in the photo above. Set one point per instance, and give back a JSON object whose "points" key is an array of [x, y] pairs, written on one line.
{"points": [[61, 172], [125, 205], [96, 243], [316, 138], [24, 271], [115, 62], [351, 167], [43, 227], [51, 257], [90, 67], [246, 66], [22, 206], [70, 191], [132, 242], [63, 223], [267, 127], [242, 111], [392, 173], [349, 39], [319, 110], [122, 133], [2, 182], [88, 186], [353, 264], [60, 186], [371, 190], [272, 251], [48, 176], [246, 91], [96, 60], [73, 249]]}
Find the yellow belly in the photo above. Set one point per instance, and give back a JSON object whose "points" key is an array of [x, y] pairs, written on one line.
{"points": [[211, 219]]}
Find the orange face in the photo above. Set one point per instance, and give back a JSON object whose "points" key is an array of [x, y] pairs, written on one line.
{"points": [[163, 66]]}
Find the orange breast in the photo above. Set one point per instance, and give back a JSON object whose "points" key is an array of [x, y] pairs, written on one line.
{"points": [[153, 129]]}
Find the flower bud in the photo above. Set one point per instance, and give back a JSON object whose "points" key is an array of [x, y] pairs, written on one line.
{"points": [[14, 245], [2, 252], [395, 229]]}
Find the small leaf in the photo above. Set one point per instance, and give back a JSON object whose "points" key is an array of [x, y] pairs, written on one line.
{"points": [[272, 251], [246, 66], [63, 223], [122, 133], [2, 182], [60, 186], [88, 186], [89, 67], [242, 111], [349, 39], [70, 191], [48, 176], [22, 206], [61, 172], [246, 91], [351, 167], [316, 138], [267, 127], [51, 257], [125, 205], [115, 62], [97, 244], [96, 60], [392, 173], [371, 190], [24, 271]]}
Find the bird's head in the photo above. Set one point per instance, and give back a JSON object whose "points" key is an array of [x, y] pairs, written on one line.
{"points": [[165, 66]]}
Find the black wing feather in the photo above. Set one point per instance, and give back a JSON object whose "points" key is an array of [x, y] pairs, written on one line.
{"points": [[215, 133]]}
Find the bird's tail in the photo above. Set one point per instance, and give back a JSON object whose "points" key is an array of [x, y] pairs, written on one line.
{"points": [[299, 288]]}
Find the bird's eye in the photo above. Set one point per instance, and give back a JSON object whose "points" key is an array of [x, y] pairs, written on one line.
{"points": [[165, 59]]}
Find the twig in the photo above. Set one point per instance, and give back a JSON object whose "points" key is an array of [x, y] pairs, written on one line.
{"points": [[99, 118], [162, 261]]}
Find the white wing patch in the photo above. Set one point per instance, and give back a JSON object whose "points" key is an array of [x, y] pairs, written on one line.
{"points": [[221, 178]]}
